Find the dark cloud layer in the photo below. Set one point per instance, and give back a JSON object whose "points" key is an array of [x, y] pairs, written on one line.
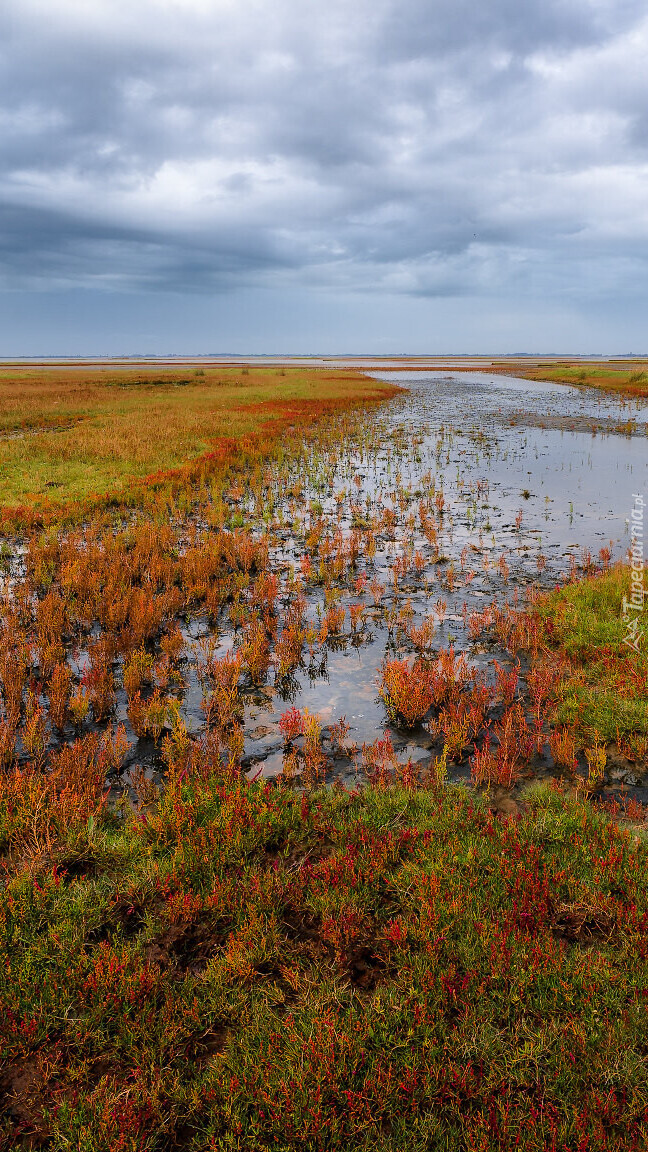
{"points": [[425, 149]]}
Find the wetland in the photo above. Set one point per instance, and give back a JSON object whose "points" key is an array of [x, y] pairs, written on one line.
{"points": [[323, 762]]}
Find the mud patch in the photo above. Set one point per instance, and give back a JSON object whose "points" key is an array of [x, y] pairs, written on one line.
{"points": [[187, 948], [583, 923], [361, 963], [24, 1096], [365, 968], [303, 926], [184, 1134], [201, 1049], [79, 868], [126, 917]]}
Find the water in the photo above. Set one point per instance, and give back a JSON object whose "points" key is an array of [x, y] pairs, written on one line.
{"points": [[573, 488]]}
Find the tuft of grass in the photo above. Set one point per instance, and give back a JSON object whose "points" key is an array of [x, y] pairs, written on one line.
{"points": [[604, 683]]}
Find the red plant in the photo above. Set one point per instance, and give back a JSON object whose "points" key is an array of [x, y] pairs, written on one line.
{"points": [[563, 747], [223, 707], [255, 651], [7, 743], [406, 690], [379, 761], [422, 636], [58, 693], [99, 683], [507, 682], [34, 733], [501, 762], [291, 724]]}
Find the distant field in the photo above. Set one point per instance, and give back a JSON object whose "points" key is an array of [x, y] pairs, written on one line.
{"points": [[630, 378], [611, 375], [70, 431]]}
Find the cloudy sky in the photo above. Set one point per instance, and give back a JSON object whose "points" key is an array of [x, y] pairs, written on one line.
{"points": [[379, 176]]}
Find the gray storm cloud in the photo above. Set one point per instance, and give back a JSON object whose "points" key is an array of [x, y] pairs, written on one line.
{"points": [[417, 148]]}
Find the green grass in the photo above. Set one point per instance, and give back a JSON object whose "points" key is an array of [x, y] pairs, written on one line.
{"points": [[604, 689], [246, 968], [611, 376]]}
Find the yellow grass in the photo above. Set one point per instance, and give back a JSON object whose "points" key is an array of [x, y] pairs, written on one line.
{"points": [[67, 432]]}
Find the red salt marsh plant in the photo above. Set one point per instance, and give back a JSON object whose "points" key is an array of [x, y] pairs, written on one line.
{"points": [[222, 705], [288, 649], [377, 590], [541, 683], [7, 743], [356, 615], [422, 636], [450, 674], [308, 760], [506, 749], [507, 682], [58, 691], [379, 761], [34, 733], [99, 684], [633, 746], [14, 662], [172, 643], [138, 671], [263, 597], [148, 717], [563, 747], [338, 733], [410, 689], [333, 623], [255, 650], [596, 758], [406, 690], [462, 721], [314, 758], [40, 808], [454, 726], [79, 706], [291, 724]]}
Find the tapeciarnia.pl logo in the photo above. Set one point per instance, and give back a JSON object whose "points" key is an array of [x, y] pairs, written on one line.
{"points": [[633, 605]]}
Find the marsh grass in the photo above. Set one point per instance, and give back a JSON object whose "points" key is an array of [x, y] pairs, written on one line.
{"points": [[66, 434], [604, 684], [240, 967], [609, 376]]}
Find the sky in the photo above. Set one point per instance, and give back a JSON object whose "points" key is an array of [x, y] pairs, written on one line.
{"points": [[323, 176]]}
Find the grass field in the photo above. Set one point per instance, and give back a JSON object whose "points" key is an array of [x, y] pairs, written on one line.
{"points": [[610, 376], [68, 433]]}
